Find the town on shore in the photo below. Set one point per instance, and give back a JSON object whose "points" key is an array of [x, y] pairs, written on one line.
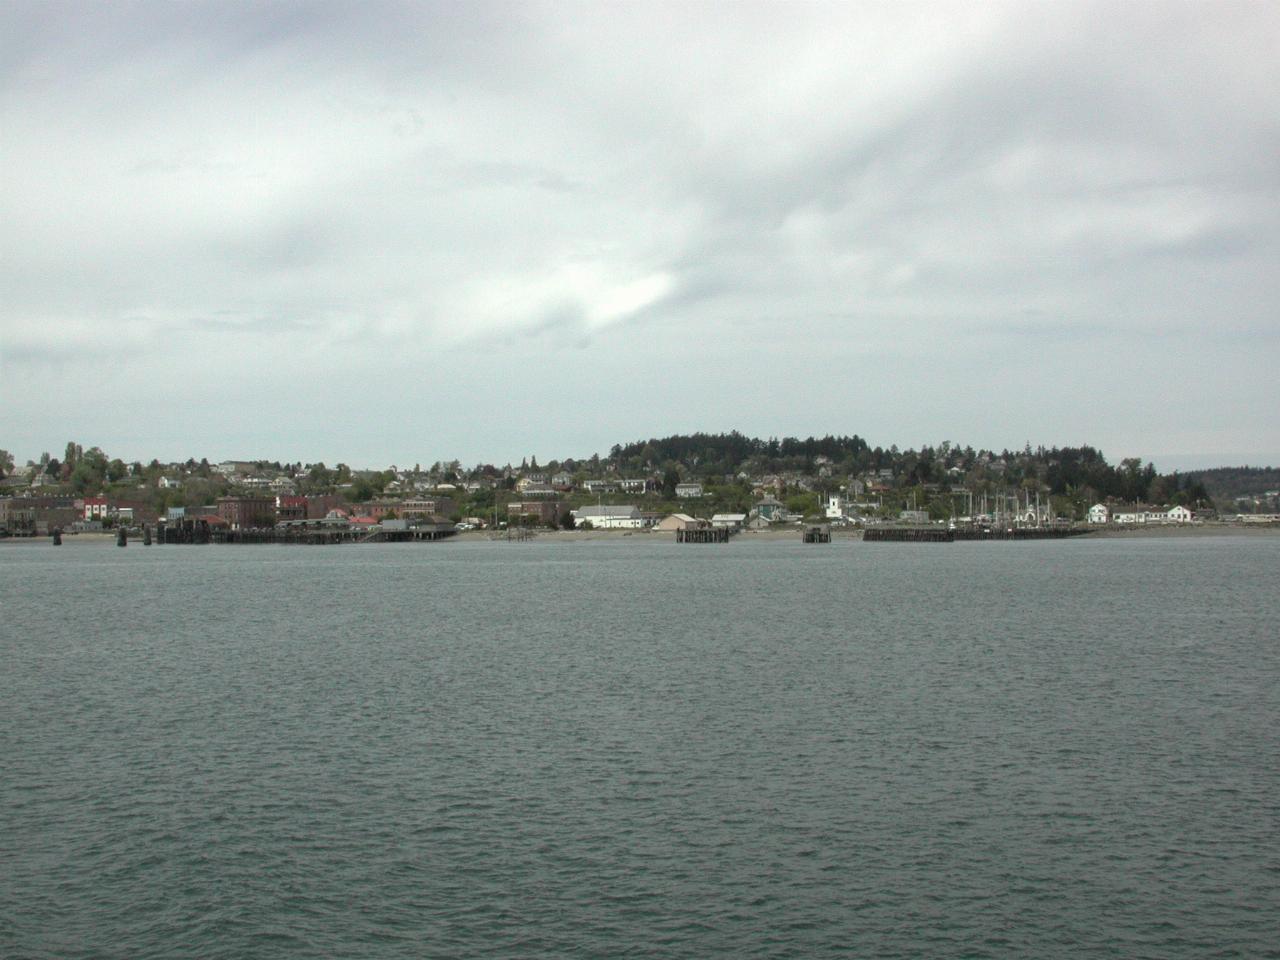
{"points": [[685, 482]]}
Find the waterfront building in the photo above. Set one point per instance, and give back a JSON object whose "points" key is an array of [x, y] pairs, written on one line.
{"points": [[770, 509], [610, 517], [242, 513], [291, 508], [536, 511], [677, 521], [17, 517]]}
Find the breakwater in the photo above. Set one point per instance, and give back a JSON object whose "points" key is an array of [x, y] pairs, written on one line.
{"points": [[940, 535]]}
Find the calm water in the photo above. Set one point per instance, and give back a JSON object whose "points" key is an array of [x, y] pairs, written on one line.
{"points": [[638, 748]]}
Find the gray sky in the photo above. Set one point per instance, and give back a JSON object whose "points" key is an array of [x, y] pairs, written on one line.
{"points": [[396, 233]]}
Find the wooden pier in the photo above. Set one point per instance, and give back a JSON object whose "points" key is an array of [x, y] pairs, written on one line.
{"points": [[1021, 533], [940, 535], [908, 535], [817, 533], [198, 530], [703, 535]]}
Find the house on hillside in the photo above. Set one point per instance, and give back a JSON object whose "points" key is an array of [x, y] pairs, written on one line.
{"points": [[688, 490], [1099, 513]]}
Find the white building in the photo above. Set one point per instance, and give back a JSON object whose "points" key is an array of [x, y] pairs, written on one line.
{"points": [[1099, 513], [731, 520], [610, 517], [688, 489], [835, 507], [1179, 515]]}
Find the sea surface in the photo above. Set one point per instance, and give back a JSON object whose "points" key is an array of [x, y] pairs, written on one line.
{"points": [[634, 748]]}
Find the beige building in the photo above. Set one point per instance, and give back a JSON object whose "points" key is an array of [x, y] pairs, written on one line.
{"points": [[677, 521]]}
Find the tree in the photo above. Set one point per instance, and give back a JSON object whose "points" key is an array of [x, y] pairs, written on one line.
{"points": [[669, 481], [6, 463], [360, 491]]}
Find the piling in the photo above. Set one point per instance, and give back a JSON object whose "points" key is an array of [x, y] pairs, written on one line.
{"points": [[703, 535], [908, 535]]}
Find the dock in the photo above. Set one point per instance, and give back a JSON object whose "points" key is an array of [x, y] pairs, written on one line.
{"points": [[704, 535], [950, 535], [1021, 533], [199, 530], [817, 533], [908, 535]]}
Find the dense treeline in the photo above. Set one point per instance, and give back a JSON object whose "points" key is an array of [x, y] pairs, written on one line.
{"points": [[1230, 483]]}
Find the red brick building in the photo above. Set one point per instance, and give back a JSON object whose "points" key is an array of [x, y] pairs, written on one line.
{"points": [[291, 508], [242, 513], [536, 511]]}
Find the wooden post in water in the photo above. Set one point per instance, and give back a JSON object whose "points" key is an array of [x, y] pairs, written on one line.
{"points": [[122, 538], [56, 533]]}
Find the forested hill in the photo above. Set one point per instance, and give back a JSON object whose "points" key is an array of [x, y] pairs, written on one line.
{"points": [[1079, 471], [1226, 484]]}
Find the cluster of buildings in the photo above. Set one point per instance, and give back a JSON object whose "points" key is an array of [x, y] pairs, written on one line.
{"points": [[1101, 513], [27, 516]]}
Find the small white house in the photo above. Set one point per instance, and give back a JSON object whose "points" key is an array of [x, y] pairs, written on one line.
{"points": [[730, 520], [1099, 513], [1179, 515], [688, 489]]}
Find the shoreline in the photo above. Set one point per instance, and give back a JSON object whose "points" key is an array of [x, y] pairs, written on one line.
{"points": [[789, 533]]}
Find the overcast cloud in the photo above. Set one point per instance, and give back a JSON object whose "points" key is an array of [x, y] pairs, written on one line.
{"points": [[395, 233]]}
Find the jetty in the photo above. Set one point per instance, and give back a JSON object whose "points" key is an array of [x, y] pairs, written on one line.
{"points": [[1022, 533], [704, 535], [204, 530], [817, 533], [908, 535], [952, 534]]}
